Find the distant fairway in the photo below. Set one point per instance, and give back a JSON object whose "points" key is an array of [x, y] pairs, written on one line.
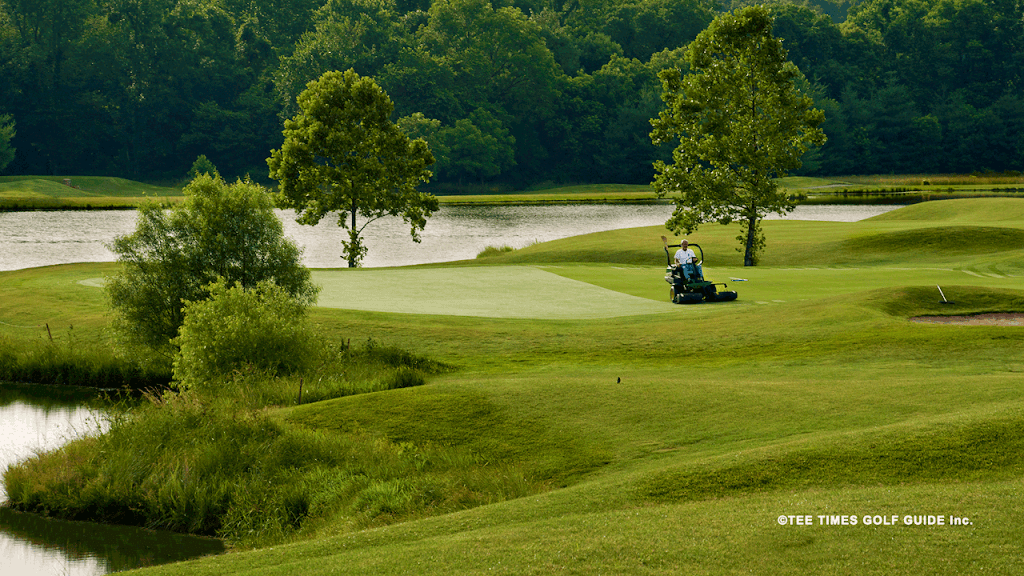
{"points": [[490, 292]]}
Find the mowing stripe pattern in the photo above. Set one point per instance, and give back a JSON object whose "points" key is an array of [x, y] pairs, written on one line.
{"points": [[490, 292]]}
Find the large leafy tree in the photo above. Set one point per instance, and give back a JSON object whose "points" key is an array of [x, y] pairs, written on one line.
{"points": [[342, 153], [741, 124], [220, 231]]}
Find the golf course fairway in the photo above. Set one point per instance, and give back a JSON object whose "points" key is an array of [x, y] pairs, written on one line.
{"points": [[809, 427]]}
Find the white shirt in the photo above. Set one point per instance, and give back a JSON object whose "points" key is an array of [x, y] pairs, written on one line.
{"points": [[685, 256]]}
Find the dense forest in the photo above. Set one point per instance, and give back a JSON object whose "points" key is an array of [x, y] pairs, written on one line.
{"points": [[509, 93]]}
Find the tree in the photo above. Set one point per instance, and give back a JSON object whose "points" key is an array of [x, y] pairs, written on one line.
{"points": [[741, 124], [341, 152], [220, 231], [359, 34], [202, 165], [6, 135]]}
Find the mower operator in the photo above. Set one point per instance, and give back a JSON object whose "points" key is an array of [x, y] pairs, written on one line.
{"points": [[687, 260]]}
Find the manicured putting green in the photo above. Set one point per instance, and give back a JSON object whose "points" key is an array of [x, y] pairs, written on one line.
{"points": [[492, 292]]}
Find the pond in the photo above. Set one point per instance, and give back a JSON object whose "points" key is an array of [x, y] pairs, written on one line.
{"points": [[29, 239], [31, 545]]}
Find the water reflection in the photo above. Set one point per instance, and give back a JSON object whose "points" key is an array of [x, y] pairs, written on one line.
{"points": [[41, 418], [31, 545]]}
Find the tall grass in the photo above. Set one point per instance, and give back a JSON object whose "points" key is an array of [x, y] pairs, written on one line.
{"points": [[494, 251], [349, 371], [66, 361]]}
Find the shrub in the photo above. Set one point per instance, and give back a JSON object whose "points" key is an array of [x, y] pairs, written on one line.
{"points": [[261, 328], [494, 251]]}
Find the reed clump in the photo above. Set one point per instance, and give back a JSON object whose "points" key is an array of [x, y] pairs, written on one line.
{"points": [[64, 360]]}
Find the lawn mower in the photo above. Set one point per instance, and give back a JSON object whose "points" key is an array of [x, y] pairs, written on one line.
{"points": [[687, 282]]}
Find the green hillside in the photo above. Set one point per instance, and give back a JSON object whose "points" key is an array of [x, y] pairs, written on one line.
{"points": [[19, 192]]}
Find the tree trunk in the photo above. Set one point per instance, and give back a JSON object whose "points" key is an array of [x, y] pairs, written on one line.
{"points": [[748, 254], [352, 263]]}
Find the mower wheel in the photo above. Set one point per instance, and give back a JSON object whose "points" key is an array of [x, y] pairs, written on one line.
{"points": [[689, 298], [725, 296]]}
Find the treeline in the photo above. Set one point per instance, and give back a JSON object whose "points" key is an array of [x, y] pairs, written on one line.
{"points": [[511, 92]]}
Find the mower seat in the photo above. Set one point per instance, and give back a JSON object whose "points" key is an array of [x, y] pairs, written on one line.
{"points": [[691, 273]]}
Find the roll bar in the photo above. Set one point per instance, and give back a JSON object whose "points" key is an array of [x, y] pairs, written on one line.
{"points": [[668, 255]]}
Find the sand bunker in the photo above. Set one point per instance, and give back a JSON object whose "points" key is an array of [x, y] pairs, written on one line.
{"points": [[491, 292], [1002, 319]]}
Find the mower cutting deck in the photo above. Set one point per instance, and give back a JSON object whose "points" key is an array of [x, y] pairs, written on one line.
{"points": [[687, 282]]}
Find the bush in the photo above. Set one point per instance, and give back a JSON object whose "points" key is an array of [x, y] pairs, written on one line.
{"points": [[403, 377], [261, 328], [219, 231]]}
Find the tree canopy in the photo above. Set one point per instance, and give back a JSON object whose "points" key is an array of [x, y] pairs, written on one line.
{"points": [[741, 124], [342, 153], [226, 231], [140, 88]]}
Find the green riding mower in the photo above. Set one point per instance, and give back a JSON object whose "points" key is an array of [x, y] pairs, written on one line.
{"points": [[687, 282]]}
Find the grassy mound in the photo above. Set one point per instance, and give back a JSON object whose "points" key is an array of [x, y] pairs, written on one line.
{"points": [[964, 210], [908, 302], [462, 419], [81, 186], [989, 448], [630, 246], [956, 240]]}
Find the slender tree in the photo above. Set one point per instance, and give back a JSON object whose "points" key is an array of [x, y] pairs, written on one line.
{"points": [[741, 124], [342, 153], [7, 134]]}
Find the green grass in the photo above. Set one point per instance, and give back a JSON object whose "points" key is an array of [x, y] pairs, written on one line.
{"points": [[50, 192], [902, 189], [582, 193], [97, 192], [488, 291], [671, 442]]}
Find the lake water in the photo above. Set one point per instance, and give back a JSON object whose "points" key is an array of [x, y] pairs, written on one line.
{"points": [[30, 239]]}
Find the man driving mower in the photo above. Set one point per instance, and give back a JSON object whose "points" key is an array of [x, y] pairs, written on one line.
{"points": [[687, 261], [686, 277]]}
